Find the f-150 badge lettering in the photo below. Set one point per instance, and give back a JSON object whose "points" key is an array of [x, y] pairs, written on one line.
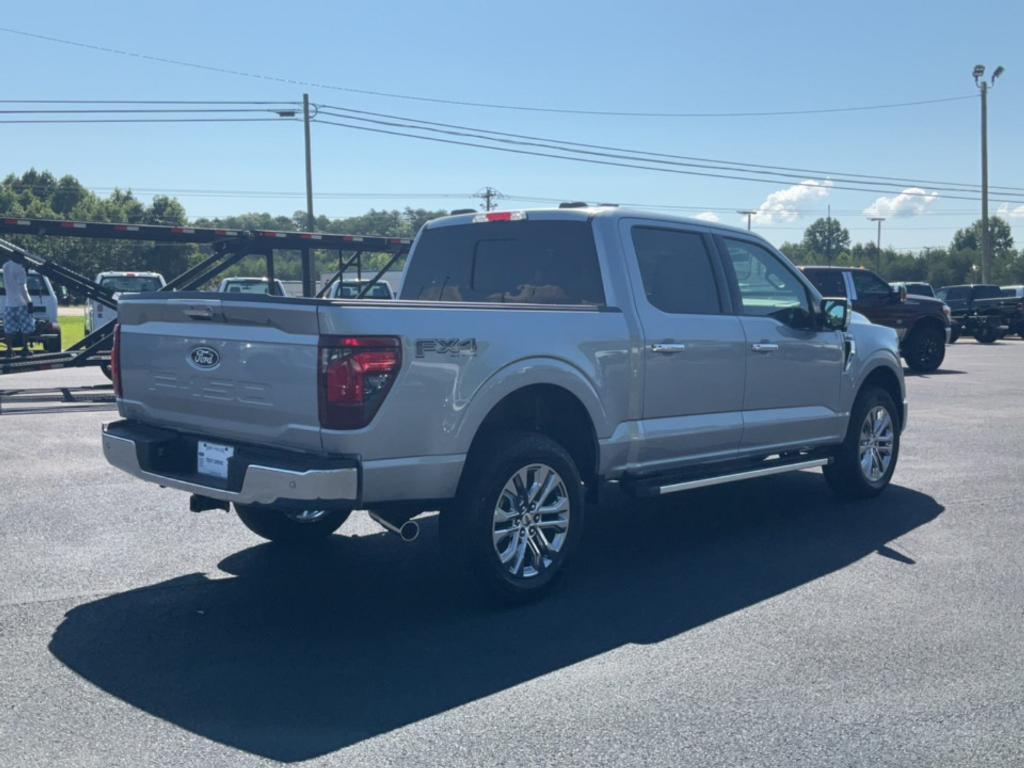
{"points": [[451, 347]]}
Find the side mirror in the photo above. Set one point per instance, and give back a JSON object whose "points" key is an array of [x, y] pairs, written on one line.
{"points": [[835, 314], [901, 293]]}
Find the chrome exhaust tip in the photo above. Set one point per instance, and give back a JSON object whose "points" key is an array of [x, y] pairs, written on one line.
{"points": [[408, 531]]}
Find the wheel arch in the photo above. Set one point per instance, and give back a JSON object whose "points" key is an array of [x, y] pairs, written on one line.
{"points": [[549, 409], [885, 378]]}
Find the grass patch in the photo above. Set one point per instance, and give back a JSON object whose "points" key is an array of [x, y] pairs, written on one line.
{"points": [[72, 330]]}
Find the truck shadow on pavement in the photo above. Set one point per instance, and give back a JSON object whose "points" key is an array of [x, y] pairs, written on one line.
{"points": [[296, 656]]}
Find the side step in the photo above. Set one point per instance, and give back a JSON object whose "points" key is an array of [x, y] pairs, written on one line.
{"points": [[652, 487]]}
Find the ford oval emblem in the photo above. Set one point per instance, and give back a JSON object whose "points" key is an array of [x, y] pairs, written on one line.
{"points": [[204, 357]]}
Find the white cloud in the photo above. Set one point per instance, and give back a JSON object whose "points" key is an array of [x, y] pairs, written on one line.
{"points": [[781, 204], [711, 216], [1011, 213], [912, 201]]}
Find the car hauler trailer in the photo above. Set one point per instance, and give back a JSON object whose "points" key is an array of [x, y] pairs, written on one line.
{"points": [[229, 246]]}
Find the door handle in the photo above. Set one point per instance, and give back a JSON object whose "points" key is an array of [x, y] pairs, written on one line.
{"points": [[667, 348], [763, 346]]}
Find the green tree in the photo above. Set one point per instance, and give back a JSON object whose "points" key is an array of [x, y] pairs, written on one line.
{"points": [[826, 239], [969, 238]]}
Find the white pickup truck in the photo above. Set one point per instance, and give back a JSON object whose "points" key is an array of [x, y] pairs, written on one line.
{"points": [[533, 360], [119, 283]]}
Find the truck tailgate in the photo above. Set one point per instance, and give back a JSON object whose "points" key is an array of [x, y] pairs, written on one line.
{"points": [[240, 370]]}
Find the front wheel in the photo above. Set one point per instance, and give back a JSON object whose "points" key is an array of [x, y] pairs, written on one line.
{"points": [[519, 515], [925, 349], [290, 526], [864, 463]]}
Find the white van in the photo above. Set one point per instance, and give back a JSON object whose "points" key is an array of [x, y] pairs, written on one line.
{"points": [[97, 315], [44, 310]]}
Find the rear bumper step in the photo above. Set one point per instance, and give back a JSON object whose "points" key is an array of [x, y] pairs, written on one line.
{"points": [[662, 486], [266, 477]]}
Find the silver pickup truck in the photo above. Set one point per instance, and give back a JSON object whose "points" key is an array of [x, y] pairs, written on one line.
{"points": [[533, 361]]}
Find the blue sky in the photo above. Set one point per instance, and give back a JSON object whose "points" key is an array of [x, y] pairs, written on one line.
{"points": [[639, 56]]}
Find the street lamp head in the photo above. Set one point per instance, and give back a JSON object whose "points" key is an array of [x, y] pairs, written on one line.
{"points": [[287, 113], [979, 71], [997, 73]]}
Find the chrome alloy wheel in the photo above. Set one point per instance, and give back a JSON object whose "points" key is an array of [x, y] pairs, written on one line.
{"points": [[531, 520], [306, 515], [876, 444]]}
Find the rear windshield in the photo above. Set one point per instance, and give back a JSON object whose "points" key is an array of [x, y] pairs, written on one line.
{"points": [[533, 262], [986, 292], [130, 284], [351, 291], [36, 286], [248, 286]]}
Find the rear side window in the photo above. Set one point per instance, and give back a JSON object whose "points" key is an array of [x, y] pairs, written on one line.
{"points": [[533, 262], [986, 292], [829, 282], [676, 271]]}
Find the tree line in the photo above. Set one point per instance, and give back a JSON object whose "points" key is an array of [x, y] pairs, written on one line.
{"points": [[40, 194], [826, 241]]}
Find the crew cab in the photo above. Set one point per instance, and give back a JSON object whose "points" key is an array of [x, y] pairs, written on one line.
{"points": [[259, 285], [44, 311], [922, 323], [119, 283], [983, 311], [534, 361]]}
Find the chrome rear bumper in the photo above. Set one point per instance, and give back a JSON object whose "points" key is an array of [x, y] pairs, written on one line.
{"points": [[261, 483]]}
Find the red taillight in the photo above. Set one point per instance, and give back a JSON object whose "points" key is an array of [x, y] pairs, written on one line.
{"points": [[356, 373], [115, 360]]}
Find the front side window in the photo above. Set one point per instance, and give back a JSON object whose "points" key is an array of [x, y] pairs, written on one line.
{"points": [[868, 284], [829, 282], [676, 271], [767, 287]]}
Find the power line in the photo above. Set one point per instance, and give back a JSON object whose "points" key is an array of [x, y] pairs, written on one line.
{"points": [[142, 101], [607, 162], [79, 121], [465, 103], [810, 171]]}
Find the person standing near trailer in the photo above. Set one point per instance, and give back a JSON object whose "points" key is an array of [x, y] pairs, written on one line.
{"points": [[17, 314]]}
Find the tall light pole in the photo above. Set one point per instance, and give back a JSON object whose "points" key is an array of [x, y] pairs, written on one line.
{"points": [[749, 215], [986, 235], [878, 249]]}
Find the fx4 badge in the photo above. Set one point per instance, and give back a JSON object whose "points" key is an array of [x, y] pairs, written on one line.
{"points": [[453, 347]]}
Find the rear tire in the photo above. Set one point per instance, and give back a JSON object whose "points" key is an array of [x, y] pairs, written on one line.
{"points": [[291, 528], [518, 517], [866, 460], [987, 335], [954, 333], [925, 349], [107, 371], [52, 345]]}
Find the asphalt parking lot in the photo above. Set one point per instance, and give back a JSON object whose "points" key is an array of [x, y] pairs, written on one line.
{"points": [[757, 624]]}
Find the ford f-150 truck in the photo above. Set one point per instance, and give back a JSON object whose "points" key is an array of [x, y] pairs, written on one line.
{"points": [[533, 361]]}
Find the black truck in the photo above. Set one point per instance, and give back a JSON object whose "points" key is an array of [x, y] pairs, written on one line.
{"points": [[982, 311]]}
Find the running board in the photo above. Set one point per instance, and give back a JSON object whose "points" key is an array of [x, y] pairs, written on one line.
{"points": [[655, 489]]}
